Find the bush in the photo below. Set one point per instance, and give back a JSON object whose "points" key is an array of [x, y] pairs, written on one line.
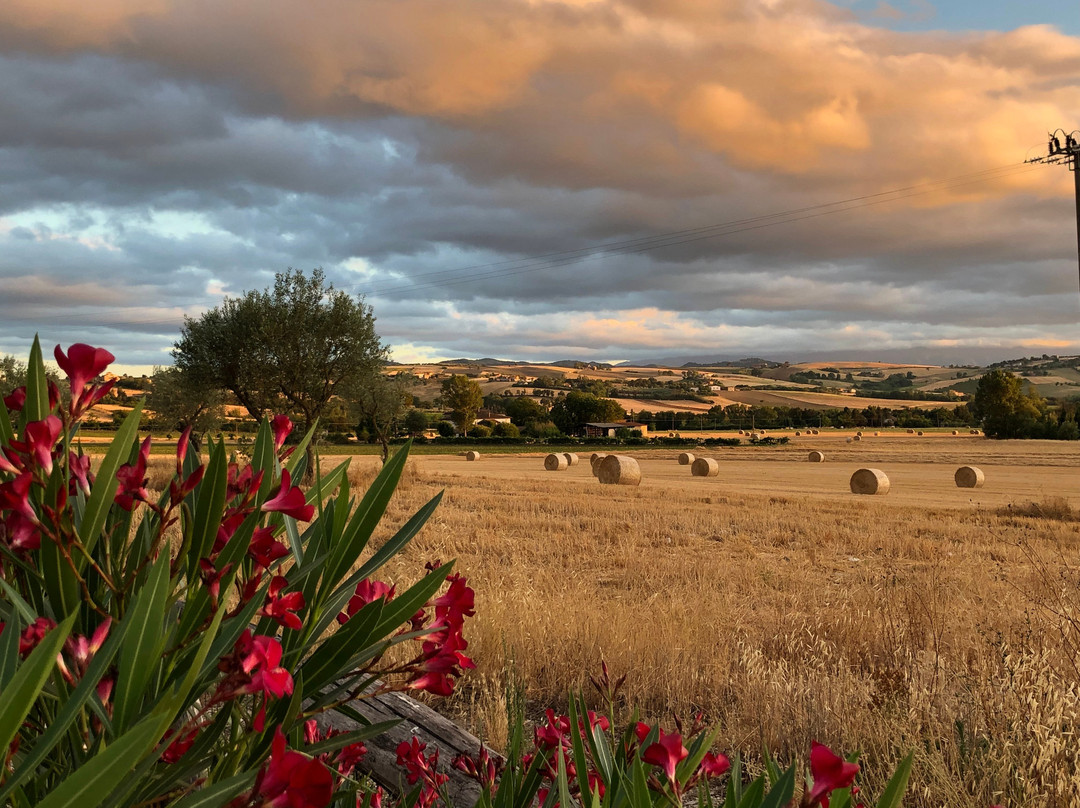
{"points": [[479, 431], [172, 648], [446, 429], [505, 430]]}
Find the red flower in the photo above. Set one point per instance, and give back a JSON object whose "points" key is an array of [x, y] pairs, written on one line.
{"points": [[830, 772], [282, 426], [180, 744], [40, 437], [263, 661], [293, 780], [80, 471], [290, 501], [81, 364], [366, 592], [16, 399], [714, 765], [264, 549], [281, 607], [133, 479], [34, 634], [666, 753]]}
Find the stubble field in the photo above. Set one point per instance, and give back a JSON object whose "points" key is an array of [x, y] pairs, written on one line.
{"points": [[933, 618]]}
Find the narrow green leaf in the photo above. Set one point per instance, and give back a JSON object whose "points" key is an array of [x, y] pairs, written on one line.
{"points": [[140, 657], [7, 434], [294, 540], [23, 689], [90, 785], [218, 794], [209, 507], [893, 794], [299, 455], [262, 458], [366, 517], [21, 606], [753, 794], [36, 406], [782, 791], [9, 649], [327, 662], [105, 485], [343, 593], [72, 706]]}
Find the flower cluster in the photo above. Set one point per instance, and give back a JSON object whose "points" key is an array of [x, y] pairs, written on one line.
{"points": [[135, 587]]}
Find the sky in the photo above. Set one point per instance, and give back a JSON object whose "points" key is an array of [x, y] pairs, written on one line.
{"points": [[604, 180]]}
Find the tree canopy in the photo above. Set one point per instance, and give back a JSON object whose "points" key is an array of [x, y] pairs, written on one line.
{"points": [[289, 347], [463, 397], [1006, 411], [177, 403], [571, 412]]}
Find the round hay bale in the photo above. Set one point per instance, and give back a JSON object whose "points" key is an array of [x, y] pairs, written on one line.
{"points": [[597, 459], [815, 431], [911, 431], [755, 436], [618, 470], [919, 433], [571, 458], [798, 434], [857, 437], [555, 462], [969, 477], [848, 440], [741, 432], [705, 467], [877, 434], [685, 459], [816, 457], [472, 455], [858, 434], [869, 481], [956, 431]]}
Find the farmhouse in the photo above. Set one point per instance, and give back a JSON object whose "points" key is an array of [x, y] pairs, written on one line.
{"points": [[607, 430]]}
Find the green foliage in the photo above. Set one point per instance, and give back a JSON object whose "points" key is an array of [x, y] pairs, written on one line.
{"points": [[463, 397], [415, 422], [153, 648], [571, 412], [179, 402], [292, 346], [1006, 411]]}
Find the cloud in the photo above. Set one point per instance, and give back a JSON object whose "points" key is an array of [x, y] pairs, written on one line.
{"points": [[452, 158]]}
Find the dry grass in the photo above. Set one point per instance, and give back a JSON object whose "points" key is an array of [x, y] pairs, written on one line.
{"points": [[870, 625]]}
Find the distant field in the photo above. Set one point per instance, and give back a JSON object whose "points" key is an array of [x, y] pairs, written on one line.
{"points": [[783, 605]]}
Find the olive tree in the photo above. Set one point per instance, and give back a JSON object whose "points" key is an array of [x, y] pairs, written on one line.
{"points": [[292, 346]]}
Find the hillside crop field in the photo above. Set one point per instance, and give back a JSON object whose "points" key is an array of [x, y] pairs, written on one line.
{"points": [[933, 618]]}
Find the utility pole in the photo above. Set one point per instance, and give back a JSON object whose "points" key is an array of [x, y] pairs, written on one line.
{"points": [[1069, 154]]}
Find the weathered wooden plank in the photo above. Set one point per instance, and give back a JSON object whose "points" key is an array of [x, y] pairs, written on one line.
{"points": [[419, 721]]}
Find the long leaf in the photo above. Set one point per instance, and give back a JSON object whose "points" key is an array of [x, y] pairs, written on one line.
{"points": [[141, 655], [782, 791], [893, 794], [90, 785], [72, 706], [753, 794], [7, 433], [218, 794], [36, 406], [343, 593], [105, 483], [367, 516], [9, 650], [209, 507], [23, 689]]}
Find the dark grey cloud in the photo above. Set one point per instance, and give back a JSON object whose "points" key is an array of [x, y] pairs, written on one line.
{"points": [[466, 176]]}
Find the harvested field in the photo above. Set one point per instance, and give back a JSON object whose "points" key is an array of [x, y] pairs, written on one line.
{"points": [[783, 605]]}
